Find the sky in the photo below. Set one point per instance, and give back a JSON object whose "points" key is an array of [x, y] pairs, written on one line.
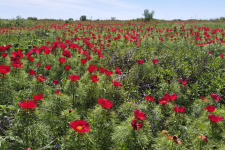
{"points": [[105, 9]]}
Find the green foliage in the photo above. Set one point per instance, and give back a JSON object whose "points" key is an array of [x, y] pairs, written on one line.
{"points": [[148, 15], [83, 18]]}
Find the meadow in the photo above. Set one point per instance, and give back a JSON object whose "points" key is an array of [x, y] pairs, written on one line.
{"points": [[117, 85]]}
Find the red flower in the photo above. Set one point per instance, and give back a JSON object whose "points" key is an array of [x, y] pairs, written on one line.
{"points": [[140, 61], [38, 97], [28, 149], [109, 73], [80, 126], [179, 109], [4, 54], [139, 115], [4, 69], [185, 82], [83, 61], [102, 70], [209, 52], [221, 55], [92, 68], [67, 67], [70, 111], [214, 96], [203, 98], [180, 80], [66, 53], [155, 61], [116, 83], [47, 67], [62, 60], [149, 98], [74, 77], [105, 103], [171, 97], [210, 108], [94, 78], [38, 64], [215, 118], [28, 105], [163, 100], [117, 70], [32, 72], [30, 58], [40, 78], [17, 65], [135, 125], [57, 91], [55, 82]]}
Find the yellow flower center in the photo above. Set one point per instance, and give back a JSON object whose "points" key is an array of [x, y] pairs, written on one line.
{"points": [[79, 127]]}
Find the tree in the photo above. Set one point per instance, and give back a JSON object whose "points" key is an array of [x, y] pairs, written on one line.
{"points": [[148, 15], [83, 18]]}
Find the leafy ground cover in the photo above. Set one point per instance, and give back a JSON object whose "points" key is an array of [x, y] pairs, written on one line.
{"points": [[112, 85]]}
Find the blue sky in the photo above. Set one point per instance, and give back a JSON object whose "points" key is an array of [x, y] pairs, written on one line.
{"points": [[105, 9]]}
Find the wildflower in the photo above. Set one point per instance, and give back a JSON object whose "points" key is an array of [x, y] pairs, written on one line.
{"points": [[214, 118], [117, 70], [57, 91], [4, 69], [209, 52], [135, 125], [210, 108], [66, 53], [155, 61], [83, 61], [163, 100], [179, 109], [38, 97], [40, 78], [55, 82], [67, 67], [105, 103], [92, 68], [116, 83], [109, 73], [4, 54], [38, 64], [17, 64], [140, 61], [221, 55], [203, 98], [62, 60], [202, 137], [94, 78], [214, 96], [74, 77], [70, 111], [149, 98], [139, 115], [102, 70], [28, 105], [47, 67], [164, 132], [80, 126]]}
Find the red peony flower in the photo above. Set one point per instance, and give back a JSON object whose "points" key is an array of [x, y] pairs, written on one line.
{"points": [[155, 61], [30, 58], [210, 108], [203, 98], [80, 126], [140, 61], [4, 54], [70, 111], [40, 78], [139, 115], [214, 96], [47, 67], [117, 70], [4, 69], [17, 65], [180, 80], [221, 55], [209, 52], [67, 67], [214, 118], [149, 98], [116, 83], [179, 109], [92, 68], [102, 70], [55, 82], [94, 78], [185, 82], [62, 60], [83, 61], [28, 105], [57, 91], [74, 77], [105, 103], [135, 125], [31, 72], [38, 97]]}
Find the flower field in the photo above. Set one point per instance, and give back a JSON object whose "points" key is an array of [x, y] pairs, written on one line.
{"points": [[117, 85]]}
